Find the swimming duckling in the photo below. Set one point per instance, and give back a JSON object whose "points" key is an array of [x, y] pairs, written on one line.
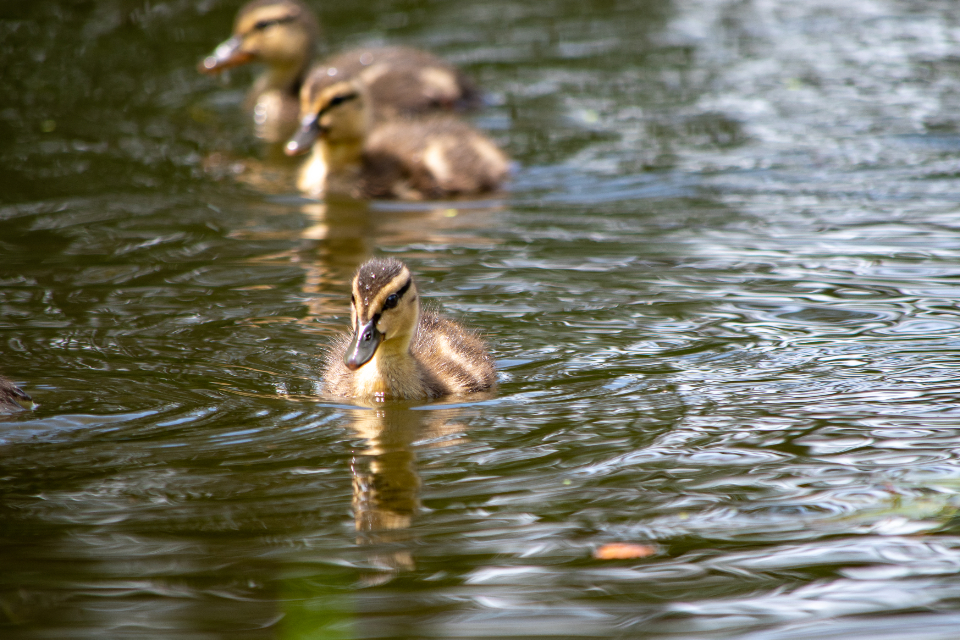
{"points": [[399, 351], [411, 159], [283, 35], [12, 397]]}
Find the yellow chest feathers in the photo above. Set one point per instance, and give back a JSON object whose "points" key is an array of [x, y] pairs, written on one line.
{"points": [[390, 376]]}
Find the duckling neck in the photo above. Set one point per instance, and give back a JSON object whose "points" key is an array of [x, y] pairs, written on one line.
{"points": [[342, 155], [331, 167], [274, 102], [340, 163], [285, 78], [313, 174], [393, 371]]}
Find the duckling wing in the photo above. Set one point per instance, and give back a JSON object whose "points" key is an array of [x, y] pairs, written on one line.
{"points": [[405, 81], [453, 358], [431, 158]]}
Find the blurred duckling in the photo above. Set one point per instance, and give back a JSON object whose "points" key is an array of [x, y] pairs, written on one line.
{"points": [[283, 35], [412, 159], [399, 351], [12, 397]]}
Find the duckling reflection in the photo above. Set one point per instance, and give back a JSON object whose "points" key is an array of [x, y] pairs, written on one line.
{"points": [[338, 235], [12, 397], [410, 159], [386, 485], [386, 482], [342, 234], [347, 231], [398, 351], [283, 35]]}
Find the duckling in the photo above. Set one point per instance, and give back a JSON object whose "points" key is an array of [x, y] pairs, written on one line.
{"points": [[412, 159], [399, 351], [283, 35], [12, 397]]}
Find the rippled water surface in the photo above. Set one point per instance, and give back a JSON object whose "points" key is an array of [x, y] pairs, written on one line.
{"points": [[722, 291]]}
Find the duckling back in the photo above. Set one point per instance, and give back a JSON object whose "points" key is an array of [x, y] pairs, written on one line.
{"points": [[429, 158], [454, 359], [401, 80]]}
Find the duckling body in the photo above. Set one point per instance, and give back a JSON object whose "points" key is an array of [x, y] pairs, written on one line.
{"points": [[398, 351], [282, 35], [12, 397], [413, 159]]}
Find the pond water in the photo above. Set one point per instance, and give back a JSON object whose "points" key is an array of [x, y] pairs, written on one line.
{"points": [[722, 291]]}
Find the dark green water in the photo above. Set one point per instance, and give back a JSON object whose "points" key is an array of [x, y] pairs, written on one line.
{"points": [[722, 290]]}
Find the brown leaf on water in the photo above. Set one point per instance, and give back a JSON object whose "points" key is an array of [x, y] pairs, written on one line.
{"points": [[624, 551]]}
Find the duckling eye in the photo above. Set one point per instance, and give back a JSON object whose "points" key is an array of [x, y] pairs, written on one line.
{"points": [[391, 301]]}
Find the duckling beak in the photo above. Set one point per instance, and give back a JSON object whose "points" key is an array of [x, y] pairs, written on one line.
{"points": [[22, 398], [227, 55], [364, 345], [304, 138], [25, 401]]}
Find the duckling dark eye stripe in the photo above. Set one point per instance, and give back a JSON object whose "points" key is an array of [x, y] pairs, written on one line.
{"points": [[337, 100], [375, 318], [404, 288], [263, 24]]}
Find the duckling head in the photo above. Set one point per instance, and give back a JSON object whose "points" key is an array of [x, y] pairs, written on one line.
{"points": [[279, 33], [384, 311], [336, 113]]}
